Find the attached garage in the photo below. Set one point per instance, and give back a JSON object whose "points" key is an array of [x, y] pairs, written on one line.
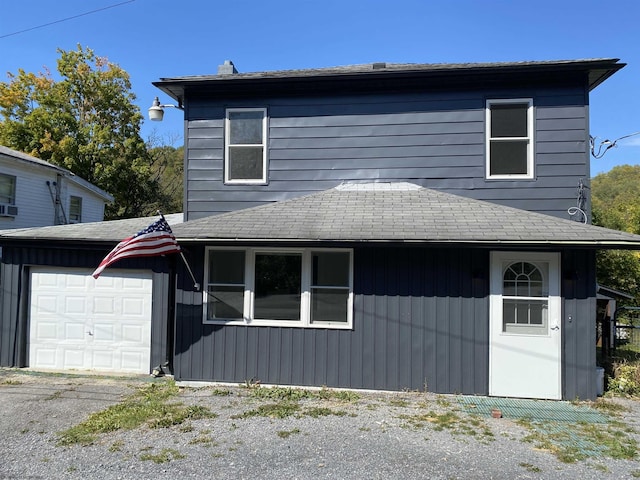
{"points": [[79, 323]]}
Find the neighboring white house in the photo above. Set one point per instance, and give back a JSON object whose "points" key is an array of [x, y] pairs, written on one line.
{"points": [[35, 193]]}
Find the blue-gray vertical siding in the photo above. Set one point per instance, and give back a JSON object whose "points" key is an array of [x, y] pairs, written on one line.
{"points": [[435, 139], [420, 322], [14, 303], [579, 324]]}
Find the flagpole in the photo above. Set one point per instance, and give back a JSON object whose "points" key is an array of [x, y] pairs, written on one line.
{"points": [[196, 285]]}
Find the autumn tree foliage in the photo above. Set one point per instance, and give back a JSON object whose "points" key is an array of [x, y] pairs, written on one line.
{"points": [[83, 120]]}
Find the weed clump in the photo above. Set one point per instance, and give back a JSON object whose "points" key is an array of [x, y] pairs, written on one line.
{"points": [[147, 406]]}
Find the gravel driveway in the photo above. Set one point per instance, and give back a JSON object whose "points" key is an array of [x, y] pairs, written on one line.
{"points": [[365, 436]]}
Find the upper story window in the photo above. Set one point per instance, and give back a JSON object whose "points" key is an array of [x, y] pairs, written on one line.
{"points": [[509, 139], [245, 159], [75, 209], [279, 287], [7, 189]]}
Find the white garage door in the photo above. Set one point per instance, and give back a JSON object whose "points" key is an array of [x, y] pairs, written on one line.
{"points": [[82, 323]]}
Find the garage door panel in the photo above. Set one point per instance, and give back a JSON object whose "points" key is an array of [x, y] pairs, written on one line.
{"points": [[133, 334], [46, 330], [134, 306], [75, 304], [73, 332], [104, 360], [74, 282], [129, 359], [45, 357], [46, 304], [73, 357], [105, 306], [78, 322], [104, 332]]}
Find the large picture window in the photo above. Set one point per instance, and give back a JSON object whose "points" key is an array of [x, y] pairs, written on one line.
{"points": [[245, 146], [509, 139], [279, 287]]}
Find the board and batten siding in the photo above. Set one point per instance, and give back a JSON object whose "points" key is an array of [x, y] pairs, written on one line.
{"points": [[435, 139], [420, 322]]}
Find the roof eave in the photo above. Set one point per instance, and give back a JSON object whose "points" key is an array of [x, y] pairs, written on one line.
{"points": [[597, 71], [601, 244]]}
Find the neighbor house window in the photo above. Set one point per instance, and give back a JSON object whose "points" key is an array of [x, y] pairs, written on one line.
{"points": [[7, 189], [245, 145], [75, 209], [509, 139], [279, 287]]}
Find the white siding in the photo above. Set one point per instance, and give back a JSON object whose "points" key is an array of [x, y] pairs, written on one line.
{"points": [[34, 200]]}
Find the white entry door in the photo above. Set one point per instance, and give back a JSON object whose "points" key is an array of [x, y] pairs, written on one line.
{"points": [[81, 323], [525, 325]]}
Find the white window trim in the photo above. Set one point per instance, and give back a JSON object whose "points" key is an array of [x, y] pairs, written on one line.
{"points": [[305, 300], [227, 144], [498, 259], [530, 138]]}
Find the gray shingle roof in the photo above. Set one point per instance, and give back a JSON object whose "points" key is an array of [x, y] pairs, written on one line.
{"points": [[377, 213], [404, 213], [596, 70], [24, 158], [110, 231], [383, 67]]}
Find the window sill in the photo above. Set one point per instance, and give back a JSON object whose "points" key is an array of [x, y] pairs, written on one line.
{"points": [[246, 182], [281, 323], [512, 177]]}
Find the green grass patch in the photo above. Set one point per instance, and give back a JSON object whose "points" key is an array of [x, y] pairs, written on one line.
{"points": [[340, 395], [609, 407], [530, 467], [205, 440], [220, 392], [288, 433], [164, 456], [147, 406], [316, 412], [575, 442], [280, 393], [451, 421], [10, 381], [296, 394], [281, 409]]}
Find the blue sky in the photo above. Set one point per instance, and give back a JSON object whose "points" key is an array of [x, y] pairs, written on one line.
{"points": [[151, 39]]}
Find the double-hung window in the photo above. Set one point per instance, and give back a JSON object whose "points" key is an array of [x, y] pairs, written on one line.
{"points": [[245, 160], [75, 209], [509, 124], [7, 189], [279, 287]]}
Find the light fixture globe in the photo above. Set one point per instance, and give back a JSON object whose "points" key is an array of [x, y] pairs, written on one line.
{"points": [[156, 112]]}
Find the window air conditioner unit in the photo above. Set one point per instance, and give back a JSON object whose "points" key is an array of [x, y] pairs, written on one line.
{"points": [[7, 210]]}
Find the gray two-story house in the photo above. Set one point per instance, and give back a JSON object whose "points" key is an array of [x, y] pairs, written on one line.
{"points": [[377, 227]]}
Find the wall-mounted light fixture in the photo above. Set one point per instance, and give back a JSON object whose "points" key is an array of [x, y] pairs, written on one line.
{"points": [[156, 110]]}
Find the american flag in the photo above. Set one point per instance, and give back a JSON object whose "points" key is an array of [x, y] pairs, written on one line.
{"points": [[156, 239]]}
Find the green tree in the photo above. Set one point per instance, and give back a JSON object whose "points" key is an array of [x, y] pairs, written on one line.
{"points": [[85, 122], [615, 199], [167, 168]]}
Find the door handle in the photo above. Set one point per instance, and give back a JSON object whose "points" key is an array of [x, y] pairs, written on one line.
{"points": [[556, 327]]}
